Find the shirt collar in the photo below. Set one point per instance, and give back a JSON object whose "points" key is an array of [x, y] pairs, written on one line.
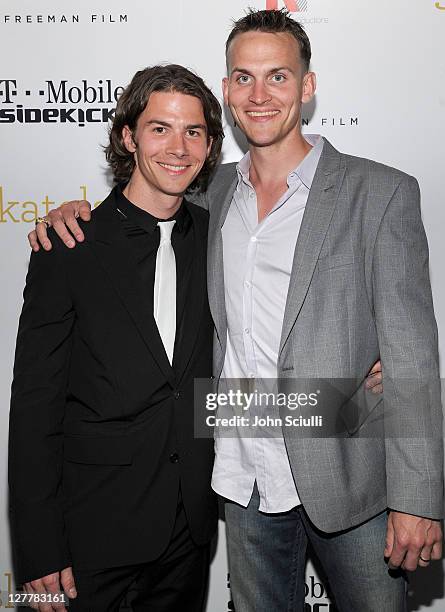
{"points": [[144, 219], [304, 172]]}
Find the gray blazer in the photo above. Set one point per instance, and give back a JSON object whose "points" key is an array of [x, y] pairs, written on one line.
{"points": [[359, 290]]}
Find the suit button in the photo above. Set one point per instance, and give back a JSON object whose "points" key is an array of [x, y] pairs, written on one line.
{"points": [[177, 394], [174, 458]]}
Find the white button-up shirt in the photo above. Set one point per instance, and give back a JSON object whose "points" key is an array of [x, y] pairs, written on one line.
{"points": [[258, 261]]}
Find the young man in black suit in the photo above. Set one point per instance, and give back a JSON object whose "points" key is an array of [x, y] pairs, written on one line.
{"points": [[107, 483]]}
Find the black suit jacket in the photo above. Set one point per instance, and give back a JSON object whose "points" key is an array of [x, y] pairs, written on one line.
{"points": [[101, 427]]}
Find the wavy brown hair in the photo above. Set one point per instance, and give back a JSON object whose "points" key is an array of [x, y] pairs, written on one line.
{"points": [[134, 99]]}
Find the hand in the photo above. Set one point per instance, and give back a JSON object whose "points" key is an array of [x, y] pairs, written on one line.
{"points": [[410, 537], [52, 584], [374, 379], [60, 218]]}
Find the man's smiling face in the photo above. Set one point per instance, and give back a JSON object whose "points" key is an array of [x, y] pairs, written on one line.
{"points": [[266, 86], [170, 143]]}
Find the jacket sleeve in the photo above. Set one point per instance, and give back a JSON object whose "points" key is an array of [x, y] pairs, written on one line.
{"points": [[36, 418], [407, 334]]}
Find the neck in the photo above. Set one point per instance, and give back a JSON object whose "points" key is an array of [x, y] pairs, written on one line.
{"points": [[160, 205], [272, 164]]}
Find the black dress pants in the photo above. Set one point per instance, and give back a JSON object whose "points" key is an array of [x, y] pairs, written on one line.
{"points": [[175, 582]]}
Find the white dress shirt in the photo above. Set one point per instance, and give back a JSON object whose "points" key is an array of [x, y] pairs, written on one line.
{"points": [[258, 261]]}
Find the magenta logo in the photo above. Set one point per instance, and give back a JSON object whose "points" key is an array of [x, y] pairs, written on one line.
{"points": [[294, 6]]}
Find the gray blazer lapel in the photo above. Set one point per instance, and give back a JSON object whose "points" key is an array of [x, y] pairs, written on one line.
{"points": [[316, 219], [221, 198]]}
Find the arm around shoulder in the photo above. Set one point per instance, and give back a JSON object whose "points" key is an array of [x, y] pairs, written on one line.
{"points": [[407, 333], [36, 416]]}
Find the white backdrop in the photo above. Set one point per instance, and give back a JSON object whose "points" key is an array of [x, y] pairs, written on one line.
{"points": [[381, 76]]}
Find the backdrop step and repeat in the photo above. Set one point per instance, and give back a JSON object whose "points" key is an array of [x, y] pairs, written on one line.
{"points": [[381, 94]]}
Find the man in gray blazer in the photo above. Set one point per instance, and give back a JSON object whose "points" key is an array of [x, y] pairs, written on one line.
{"points": [[325, 265]]}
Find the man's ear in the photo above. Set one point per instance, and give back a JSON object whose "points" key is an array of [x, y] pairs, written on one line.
{"points": [[225, 88], [127, 137], [309, 87]]}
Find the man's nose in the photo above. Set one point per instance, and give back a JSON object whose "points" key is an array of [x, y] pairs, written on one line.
{"points": [[259, 94], [177, 145]]}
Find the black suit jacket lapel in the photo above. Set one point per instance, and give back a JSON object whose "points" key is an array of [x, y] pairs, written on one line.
{"points": [[196, 294], [114, 254]]}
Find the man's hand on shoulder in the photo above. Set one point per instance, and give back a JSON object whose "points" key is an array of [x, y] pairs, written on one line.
{"points": [[62, 219], [412, 541], [47, 587]]}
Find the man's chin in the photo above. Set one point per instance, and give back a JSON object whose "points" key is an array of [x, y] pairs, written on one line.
{"points": [[258, 141], [177, 194], [174, 190]]}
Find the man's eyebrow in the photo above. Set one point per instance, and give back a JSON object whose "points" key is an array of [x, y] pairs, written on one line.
{"points": [[271, 71], [193, 126], [243, 70], [158, 122], [280, 69], [196, 126]]}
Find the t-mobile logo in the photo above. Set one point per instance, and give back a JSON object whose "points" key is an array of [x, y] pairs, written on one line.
{"points": [[294, 6]]}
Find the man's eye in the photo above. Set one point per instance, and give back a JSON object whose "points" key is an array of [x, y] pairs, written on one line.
{"points": [[278, 78], [159, 130], [193, 133], [243, 79]]}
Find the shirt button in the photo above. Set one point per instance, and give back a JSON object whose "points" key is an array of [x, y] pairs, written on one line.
{"points": [[248, 285], [177, 394], [247, 330], [174, 458], [251, 375], [252, 195], [253, 239]]}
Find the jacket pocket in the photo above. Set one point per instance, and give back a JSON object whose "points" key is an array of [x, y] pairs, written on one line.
{"points": [[98, 450], [337, 261]]}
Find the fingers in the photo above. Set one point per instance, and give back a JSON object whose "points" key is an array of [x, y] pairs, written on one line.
{"points": [[425, 556], [58, 223], [67, 580], [73, 226], [399, 550], [64, 218], [42, 236], [377, 367], [432, 549], [399, 537], [70, 212], [436, 551], [64, 221], [28, 589], [46, 593], [389, 538], [40, 588], [84, 210], [416, 541], [377, 389], [52, 586], [436, 539], [33, 242], [412, 557], [374, 378]]}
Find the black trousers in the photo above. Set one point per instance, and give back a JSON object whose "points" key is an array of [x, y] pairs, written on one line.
{"points": [[177, 580]]}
